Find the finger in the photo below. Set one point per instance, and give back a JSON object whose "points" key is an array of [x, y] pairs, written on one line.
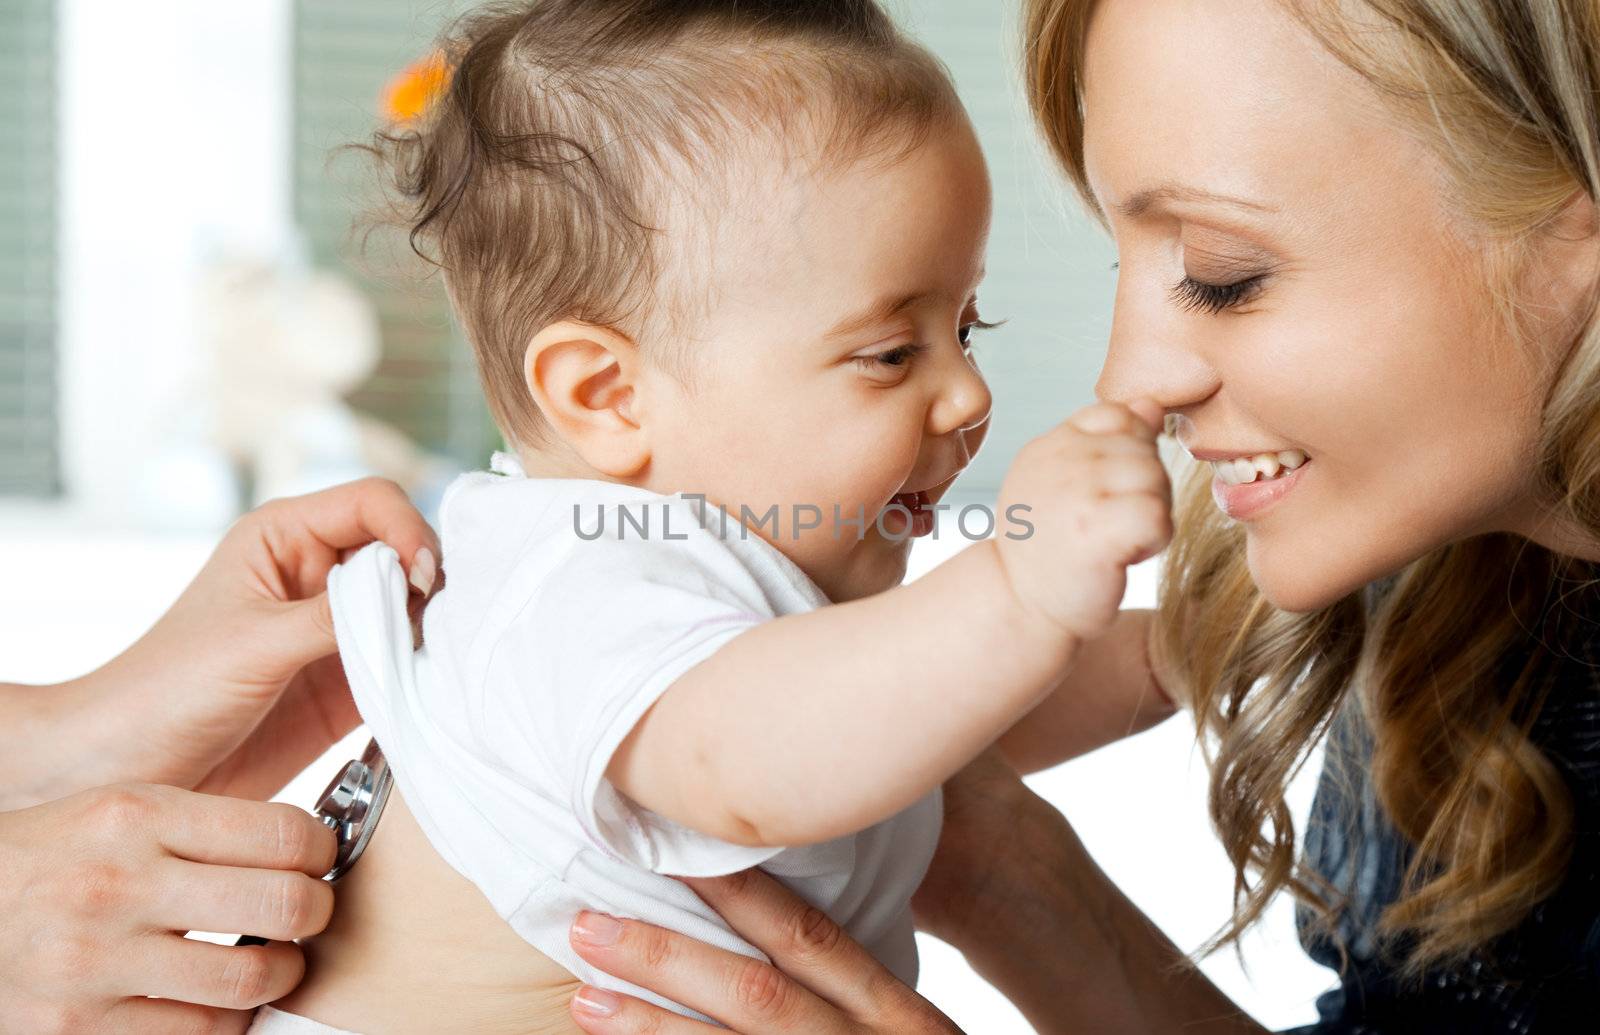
{"points": [[142, 1016], [351, 515], [744, 993], [303, 631], [1118, 475], [600, 1011], [208, 828], [304, 628], [1151, 412], [1123, 445], [280, 905], [231, 977], [799, 938], [1146, 523], [1112, 419]]}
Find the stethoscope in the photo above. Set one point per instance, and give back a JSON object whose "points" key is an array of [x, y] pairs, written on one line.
{"points": [[350, 807]]}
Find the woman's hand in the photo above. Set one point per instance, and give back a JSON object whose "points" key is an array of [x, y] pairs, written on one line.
{"points": [[234, 690], [990, 819], [820, 982], [1014, 889], [97, 889], [237, 687]]}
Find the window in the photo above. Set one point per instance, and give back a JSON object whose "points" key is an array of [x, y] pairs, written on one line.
{"points": [[345, 53]]}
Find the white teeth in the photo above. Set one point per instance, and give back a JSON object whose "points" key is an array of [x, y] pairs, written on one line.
{"points": [[1262, 466]]}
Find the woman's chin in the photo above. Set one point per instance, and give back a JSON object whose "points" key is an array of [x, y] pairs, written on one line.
{"points": [[1292, 581]]}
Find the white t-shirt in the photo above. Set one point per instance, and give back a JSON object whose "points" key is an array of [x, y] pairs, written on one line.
{"points": [[569, 607], [269, 1020]]}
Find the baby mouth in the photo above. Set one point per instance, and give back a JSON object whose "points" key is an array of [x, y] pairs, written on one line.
{"points": [[912, 501], [1264, 467]]}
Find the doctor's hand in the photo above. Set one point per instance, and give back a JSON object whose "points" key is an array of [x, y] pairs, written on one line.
{"points": [[237, 687], [96, 890], [820, 981]]}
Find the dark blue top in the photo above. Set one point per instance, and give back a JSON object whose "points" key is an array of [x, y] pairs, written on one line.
{"points": [[1541, 978]]}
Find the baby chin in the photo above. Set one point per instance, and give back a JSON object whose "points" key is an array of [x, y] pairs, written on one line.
{"points": [[875, 565]]}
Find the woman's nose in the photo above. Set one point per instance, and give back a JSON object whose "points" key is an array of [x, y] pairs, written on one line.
{"points": [[1149, 357], [964, 400]]}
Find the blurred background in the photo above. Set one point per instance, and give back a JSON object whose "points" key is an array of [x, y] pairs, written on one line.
{"points": [[191, 321]]}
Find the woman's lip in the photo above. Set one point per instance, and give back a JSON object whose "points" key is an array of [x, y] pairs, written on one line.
{"points": [[1243, 502]]}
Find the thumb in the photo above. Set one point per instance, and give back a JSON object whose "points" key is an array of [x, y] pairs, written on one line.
{"points": [[303, 632], [1151, 412]]}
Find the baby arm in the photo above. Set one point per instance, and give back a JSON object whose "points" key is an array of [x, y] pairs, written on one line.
{"points": [[815, 725]]}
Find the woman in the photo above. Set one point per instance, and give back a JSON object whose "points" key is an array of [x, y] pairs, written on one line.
{"points": [[1364, 229], [234, 691]]}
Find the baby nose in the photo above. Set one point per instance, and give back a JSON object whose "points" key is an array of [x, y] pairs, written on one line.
{"points": [[964, 404]]}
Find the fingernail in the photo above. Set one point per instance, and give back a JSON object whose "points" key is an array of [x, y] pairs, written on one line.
{"points": [[597, 1001], [597, 928], [424, 570]]}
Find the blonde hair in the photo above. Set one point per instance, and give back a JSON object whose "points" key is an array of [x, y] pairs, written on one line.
{"points": [[1444, 665], [539, 179]]}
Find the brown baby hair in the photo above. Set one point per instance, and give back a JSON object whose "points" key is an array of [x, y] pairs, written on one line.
{"points": [[539, 181]]}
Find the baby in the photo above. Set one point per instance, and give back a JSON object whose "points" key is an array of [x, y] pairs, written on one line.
{"points": [[719, 262]]}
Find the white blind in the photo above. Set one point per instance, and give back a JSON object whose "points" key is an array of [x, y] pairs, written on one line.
{"points": [[29, 440]]}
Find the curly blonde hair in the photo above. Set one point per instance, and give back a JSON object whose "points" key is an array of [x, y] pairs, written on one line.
{"points": [[1445, 665]]}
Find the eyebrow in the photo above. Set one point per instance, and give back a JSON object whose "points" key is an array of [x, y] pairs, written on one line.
{"points": [[879, 312], [1144, 200], [882, 311]]}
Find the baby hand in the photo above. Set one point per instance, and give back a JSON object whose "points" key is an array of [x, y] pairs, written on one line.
{"points": [[1098, 499]]}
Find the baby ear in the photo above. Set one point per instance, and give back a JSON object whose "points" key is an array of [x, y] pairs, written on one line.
{"points": [[584, 378]]}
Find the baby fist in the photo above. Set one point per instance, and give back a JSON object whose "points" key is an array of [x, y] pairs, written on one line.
{"points": [[1098, 499]]}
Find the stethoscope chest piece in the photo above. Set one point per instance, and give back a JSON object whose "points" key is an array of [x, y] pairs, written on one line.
{"points": [[352, 804], [350, 807]]}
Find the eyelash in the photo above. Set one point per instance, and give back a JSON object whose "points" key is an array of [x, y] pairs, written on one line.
{"points": [[1214, 298], [898, 356], [901, 355]]}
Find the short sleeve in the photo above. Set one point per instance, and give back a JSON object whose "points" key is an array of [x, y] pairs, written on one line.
{"points": [[609, 629]]}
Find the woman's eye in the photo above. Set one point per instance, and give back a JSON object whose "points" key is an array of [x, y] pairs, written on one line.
{"points": [[1214, 298]]}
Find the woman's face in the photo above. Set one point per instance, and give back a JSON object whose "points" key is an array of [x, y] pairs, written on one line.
{"points": [[1291, 279]]}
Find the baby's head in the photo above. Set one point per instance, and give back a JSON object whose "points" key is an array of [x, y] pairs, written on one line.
{"points": [[716, 247]]}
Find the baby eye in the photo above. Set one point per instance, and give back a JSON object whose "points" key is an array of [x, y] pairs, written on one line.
{"points": [[899, 356], [968, 329]]}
